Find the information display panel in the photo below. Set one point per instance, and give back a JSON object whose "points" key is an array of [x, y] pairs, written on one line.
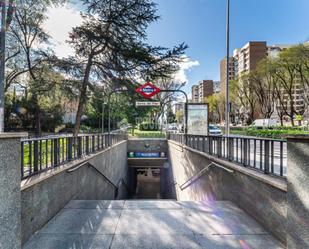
{"points": [[198, 119]]}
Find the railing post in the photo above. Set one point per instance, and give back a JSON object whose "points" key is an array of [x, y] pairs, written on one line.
{"points": [[245, 151], [210, 143], [55, 152], [69, 148], [35, 156], [87, 145], [266, 156], [79, 146], [93, 143], [218, 146], [231, 149]]}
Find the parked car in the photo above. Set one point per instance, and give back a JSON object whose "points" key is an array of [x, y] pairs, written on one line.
{"points": [[214, 130], [172, 127]]}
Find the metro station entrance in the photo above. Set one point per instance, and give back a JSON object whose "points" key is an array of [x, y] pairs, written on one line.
{"points": [[148, 184]]}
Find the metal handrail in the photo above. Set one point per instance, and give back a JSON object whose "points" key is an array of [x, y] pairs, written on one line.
{"points": [[115, 187], [197, 176], [104, 176], [124, 183]]}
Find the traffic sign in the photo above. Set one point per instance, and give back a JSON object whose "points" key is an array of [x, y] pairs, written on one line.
{"points": [[148, 90], [299, 118], [147, 103]]}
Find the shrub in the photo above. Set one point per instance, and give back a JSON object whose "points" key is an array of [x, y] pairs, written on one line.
{"points": [[277, 133]]}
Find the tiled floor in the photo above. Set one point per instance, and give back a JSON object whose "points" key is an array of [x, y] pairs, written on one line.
{"points": [[151, 224]]}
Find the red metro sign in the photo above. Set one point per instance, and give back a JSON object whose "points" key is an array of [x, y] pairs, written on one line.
{"points": [[148, 90]]}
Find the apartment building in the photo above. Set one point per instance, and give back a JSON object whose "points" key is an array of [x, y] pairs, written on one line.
{"points": [[223, 73], [195, 94], [217, 87], [202, 90], [273, 51], [206, 89], [247, 58]]}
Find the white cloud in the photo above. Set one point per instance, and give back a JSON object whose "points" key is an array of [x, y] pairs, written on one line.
{"points": [[185, 66], [62, 19], [60, 22]]}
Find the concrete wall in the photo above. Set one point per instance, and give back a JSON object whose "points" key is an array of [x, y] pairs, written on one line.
{"points": [[298, 192], [10, 226], [44, 195], [261, 196], [147, 145]]}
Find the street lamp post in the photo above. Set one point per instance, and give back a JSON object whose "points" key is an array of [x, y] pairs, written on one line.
{"points": [[227, 91], [2, 63]]}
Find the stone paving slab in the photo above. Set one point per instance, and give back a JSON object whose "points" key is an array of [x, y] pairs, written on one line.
{"points": [[152, 204], [210, 206], [95, 204], [222, 223], [152, 222], [238, 242], [151, 225], [69, 241], [155, 242], [83, 221]]}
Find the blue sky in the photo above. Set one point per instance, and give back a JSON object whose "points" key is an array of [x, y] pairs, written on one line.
{"points": [[201, 24]]}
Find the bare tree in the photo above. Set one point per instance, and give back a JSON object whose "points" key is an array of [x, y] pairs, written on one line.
{"points": [[263, 82]]}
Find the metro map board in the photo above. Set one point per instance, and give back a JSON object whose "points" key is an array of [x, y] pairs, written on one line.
{"points": [[198, 119]]}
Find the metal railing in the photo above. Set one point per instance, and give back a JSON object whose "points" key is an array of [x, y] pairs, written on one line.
{"points": [[265, 155], [41, 154]]}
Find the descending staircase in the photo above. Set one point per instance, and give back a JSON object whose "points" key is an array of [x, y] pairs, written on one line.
{"points": [[151, 224]]}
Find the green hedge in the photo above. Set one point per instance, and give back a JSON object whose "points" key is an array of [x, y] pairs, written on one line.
{"points": [[280, 133]]}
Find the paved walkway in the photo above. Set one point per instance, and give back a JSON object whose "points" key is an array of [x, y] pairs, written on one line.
{"points": [[154, 224]]}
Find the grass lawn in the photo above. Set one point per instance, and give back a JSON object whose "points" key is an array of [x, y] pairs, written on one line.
{"points": [[46, 152], [146, 134]]}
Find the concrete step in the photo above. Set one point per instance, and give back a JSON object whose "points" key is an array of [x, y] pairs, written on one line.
{"points": [[151, 224]]}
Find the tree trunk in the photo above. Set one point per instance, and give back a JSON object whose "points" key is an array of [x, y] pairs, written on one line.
{"points": [[38, 128], [82, 96], [37, 116], [281, 120], [292, 120]]}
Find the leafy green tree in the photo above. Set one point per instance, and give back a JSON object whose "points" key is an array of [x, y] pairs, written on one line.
{"points": [[216, 107], [110, 47], [264, 85], [27, 36], [289, 81]]}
